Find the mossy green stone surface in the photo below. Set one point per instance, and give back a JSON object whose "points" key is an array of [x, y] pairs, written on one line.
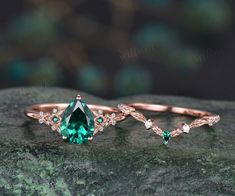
{"points": [[125, 160]]}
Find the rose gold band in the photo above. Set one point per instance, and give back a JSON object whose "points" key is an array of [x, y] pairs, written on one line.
{"points": [[203, 117], [34, 110], [173, 109], [45, 113]]}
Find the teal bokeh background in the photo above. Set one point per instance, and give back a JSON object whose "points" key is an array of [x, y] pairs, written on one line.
{"points": [[114, 48]]}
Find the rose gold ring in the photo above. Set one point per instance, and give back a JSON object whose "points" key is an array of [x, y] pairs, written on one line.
{"points": [[203, 118], [76, 121]]}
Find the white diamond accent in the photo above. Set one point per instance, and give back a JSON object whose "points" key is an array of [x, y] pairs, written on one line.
{"points": [[41, 121], [100, 112], [54, 111], [185, 128], [53, 128], [149, 124], [112, 119], [113, 123], [41, 113]]}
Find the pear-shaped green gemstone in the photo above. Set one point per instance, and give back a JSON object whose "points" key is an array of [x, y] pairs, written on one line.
{"points": [[166, 136], [77, 123]]}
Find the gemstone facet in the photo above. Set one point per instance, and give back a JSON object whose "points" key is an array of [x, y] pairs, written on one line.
{"points": [[77, 123], [166, 135]]}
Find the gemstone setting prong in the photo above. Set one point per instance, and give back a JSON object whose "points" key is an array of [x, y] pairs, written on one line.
{"points": [[78, 97], [90, 138]]}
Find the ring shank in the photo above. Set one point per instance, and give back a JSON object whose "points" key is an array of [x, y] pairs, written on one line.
{"points": [[202, 117], [165, 108], [33, 111]]}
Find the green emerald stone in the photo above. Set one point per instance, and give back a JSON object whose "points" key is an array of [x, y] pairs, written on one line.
{"points": [[55, 119], [100, 120], [77, 123], [166, 135]]}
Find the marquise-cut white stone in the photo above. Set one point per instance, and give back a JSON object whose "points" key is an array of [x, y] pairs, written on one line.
{"points": [[185, 128], [148, 124]]}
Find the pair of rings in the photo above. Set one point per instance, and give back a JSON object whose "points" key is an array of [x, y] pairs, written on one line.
{"points": [[78, 122]]}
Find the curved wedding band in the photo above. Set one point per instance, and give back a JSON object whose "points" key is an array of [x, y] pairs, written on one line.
{"points": [[203, 118], [76, 121]]}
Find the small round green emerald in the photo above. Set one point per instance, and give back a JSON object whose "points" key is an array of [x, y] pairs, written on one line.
{"points": [[55, 119], [100, 120]]}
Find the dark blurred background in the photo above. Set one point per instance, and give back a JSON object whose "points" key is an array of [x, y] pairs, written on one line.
{"points": [[115, 48]]}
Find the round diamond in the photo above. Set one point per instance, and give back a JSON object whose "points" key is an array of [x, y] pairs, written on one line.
{"points": [[210, 124], [54, 111], [41, 121], [100, 111], [113, 123]]}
